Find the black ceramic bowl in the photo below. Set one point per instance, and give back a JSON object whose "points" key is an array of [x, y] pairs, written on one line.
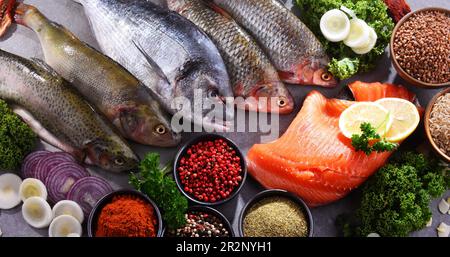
{"points": [[211, 211], [281, 193], [93, 217], [202, 138]]}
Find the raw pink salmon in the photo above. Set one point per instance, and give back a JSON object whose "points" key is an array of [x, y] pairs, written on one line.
{"points": [[313, 159]]}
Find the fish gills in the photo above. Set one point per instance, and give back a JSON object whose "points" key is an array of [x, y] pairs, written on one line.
{"points": [[62, 111], [251, 73], [117, 94], [291, 46]]}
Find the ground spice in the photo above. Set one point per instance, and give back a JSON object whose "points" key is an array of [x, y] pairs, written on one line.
{"points": [[440, 123], [275, 217], [127, 216]]}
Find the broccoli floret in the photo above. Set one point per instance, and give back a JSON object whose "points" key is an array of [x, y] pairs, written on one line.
{"points": [[345, 68], [16, 139]]}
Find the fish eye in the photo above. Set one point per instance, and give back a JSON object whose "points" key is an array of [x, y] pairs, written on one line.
{"points": [[119, 161], [160, 129], [281, 102], [213, 93], [326, 76]]}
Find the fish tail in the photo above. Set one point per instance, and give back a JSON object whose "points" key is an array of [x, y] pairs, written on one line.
{"points": [[6, 15]]}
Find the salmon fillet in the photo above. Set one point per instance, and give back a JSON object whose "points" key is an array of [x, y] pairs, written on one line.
{"points": [[313, 159]]}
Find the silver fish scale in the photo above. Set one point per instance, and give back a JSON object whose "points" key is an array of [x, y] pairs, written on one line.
{"points": [[281, 34], [165, 37], [246, 63]]}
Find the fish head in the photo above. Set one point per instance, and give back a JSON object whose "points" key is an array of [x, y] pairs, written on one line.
{"points": [[208, 91], [271, 97], [111, 155], [311, 72], [146, 125]]}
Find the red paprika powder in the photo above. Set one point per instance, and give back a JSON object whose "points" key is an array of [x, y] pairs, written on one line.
{"points": [[127, 216]]}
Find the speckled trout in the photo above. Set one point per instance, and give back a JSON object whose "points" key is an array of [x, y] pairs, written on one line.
{"points": [[59, 114], [108, 86]]}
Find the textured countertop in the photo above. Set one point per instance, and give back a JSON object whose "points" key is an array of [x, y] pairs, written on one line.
{"points": [[23, 42]]}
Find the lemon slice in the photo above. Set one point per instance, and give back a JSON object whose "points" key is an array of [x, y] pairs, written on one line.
{"points": [[406, 118], [365, 112]]}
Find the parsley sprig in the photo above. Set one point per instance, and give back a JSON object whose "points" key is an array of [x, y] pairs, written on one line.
{"points": [[155, 182], [369, 134]]}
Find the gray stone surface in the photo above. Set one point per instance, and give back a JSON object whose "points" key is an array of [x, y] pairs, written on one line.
{"points": [[24, 42]]}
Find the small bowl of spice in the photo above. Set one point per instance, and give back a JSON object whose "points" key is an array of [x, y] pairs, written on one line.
{"points": [[437, 123], [276, 213], [125, 213], [420, 47], [210, 170], [203, 221]]}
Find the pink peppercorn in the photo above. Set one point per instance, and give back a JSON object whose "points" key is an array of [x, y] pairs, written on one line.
{"points": [[210, 171]]}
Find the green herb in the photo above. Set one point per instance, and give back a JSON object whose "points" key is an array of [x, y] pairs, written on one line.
{"points": [[345, 62], [344, 68], [16, 139], [363, 142], [395, 200], [154, 182]]}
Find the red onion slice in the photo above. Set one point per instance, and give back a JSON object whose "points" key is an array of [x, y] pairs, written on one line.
{"points": [[88, 191], [29, 164], [50, 161], [61, 178]]}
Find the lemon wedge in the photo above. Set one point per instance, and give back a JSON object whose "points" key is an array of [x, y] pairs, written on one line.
{"points": [[365, 112], [406, 118]]}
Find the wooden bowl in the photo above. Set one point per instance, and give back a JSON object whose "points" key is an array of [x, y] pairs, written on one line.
{"points": [[406, 76], [427, 125]]}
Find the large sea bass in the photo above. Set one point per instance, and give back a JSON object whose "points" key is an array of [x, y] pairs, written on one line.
{"points": [[59, 115], [252, 75], [292, 47], [146, 39], [116, 93]]}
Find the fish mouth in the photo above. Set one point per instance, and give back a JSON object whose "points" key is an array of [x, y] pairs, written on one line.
{"points": [[309, 73], [6, 15], [267, 98]]}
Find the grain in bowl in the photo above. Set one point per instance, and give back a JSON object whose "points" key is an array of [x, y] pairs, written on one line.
{"points": [[440, 123], [421, 46]]}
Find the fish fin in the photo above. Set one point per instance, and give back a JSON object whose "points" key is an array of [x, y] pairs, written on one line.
{"points": [[42, 64], [218, 9], [153, 65], [42, 132], [77, 1], [6, 15]]}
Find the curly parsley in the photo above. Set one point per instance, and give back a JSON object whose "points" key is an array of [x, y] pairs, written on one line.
{"points": [[363, 142], [154, 182]]}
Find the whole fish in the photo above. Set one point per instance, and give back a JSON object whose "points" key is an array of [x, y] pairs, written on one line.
{"points": [[146, 38], [292, 47], [115, 92], [251, 73], [59, 115]]}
